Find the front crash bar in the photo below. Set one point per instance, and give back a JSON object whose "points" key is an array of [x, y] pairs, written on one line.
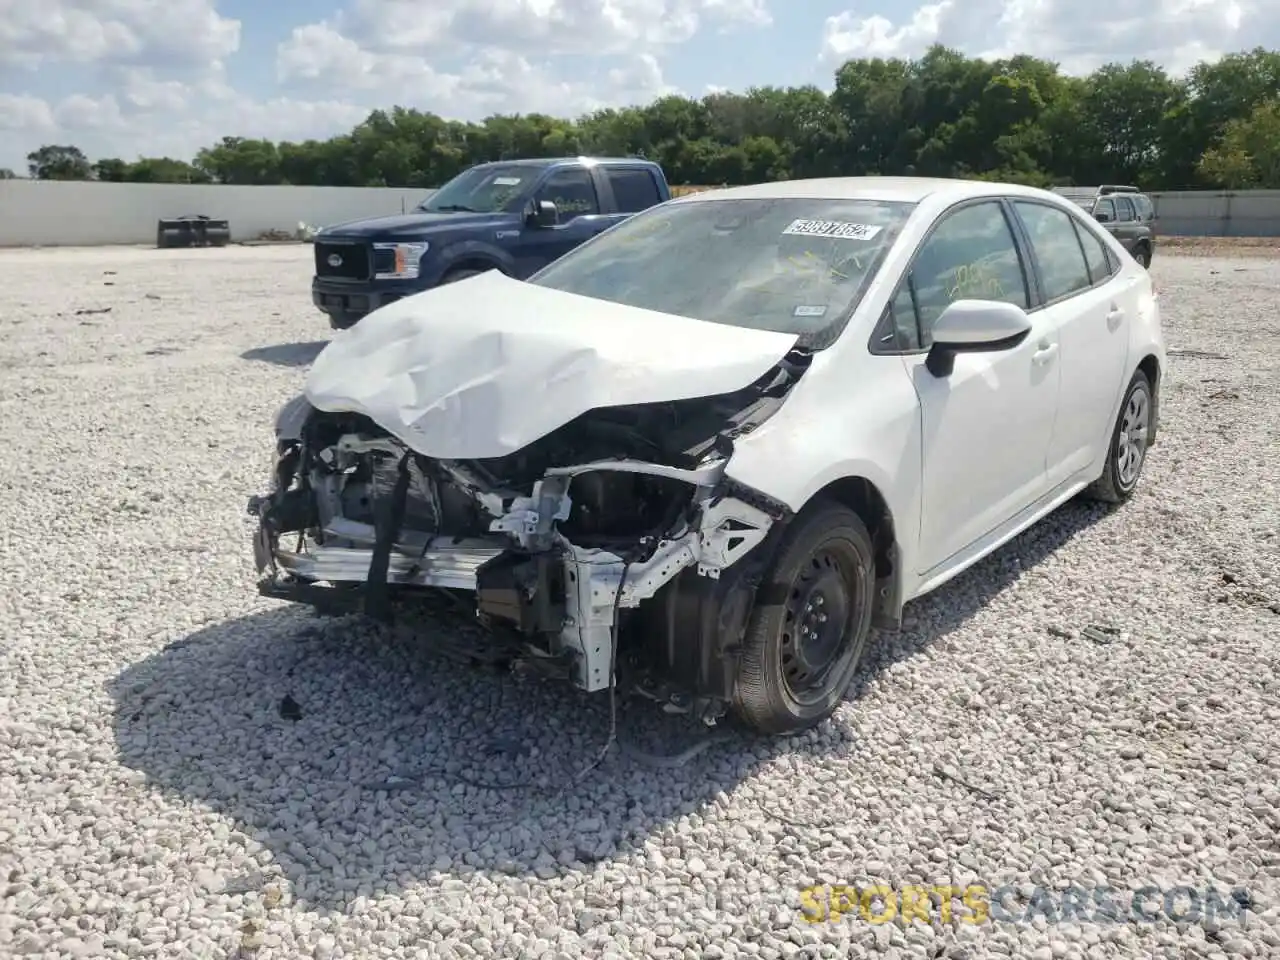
{"points": [[451, 566], [415, 559], [599, 581]]}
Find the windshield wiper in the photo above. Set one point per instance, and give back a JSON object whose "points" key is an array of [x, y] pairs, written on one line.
{"points": [[453, 208]]}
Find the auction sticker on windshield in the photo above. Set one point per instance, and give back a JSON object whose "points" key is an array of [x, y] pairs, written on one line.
{"points": [[506, 181], [831, 228], [809, 311]]}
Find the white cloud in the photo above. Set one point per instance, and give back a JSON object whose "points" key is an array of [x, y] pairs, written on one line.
{"points": [[154, 80], [1078, 34], [494, 78], [164, 118], [22, 113], [37, 32], [594, 27]]}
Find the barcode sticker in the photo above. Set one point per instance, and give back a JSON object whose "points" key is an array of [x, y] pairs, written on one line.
{"points": [[834, 229]]}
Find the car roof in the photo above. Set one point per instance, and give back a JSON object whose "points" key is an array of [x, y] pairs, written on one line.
{"points": [[551, 161], [903, 189]]}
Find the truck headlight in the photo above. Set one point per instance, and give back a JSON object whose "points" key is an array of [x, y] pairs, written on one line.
{"points": [[405, 256]]}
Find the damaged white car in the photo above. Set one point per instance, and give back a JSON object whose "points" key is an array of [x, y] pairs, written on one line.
{"points": [[707, 452]]}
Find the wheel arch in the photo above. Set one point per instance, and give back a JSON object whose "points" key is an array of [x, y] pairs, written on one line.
{"points": [[474, 255], [1150, 366], [472, 261], [865, 499], [694, 626]]}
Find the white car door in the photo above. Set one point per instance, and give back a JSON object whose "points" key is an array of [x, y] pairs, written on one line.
{"points": [[986, 425], [1091, 310]]}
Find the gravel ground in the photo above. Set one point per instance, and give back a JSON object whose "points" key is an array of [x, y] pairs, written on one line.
{"points": [[1096, 705]]}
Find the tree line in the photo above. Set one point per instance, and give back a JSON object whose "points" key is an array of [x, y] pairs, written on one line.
{"points": [[944, 114]]}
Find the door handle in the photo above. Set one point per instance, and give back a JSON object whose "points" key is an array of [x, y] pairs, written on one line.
{"points": [[1044, 352], [1114, 316]]}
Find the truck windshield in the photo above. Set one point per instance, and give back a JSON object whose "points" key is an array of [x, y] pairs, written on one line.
{"points": [[487, 189], [791, 265]]}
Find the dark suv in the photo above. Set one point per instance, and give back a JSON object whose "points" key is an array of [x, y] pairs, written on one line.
{"points": [[1126, 212]]}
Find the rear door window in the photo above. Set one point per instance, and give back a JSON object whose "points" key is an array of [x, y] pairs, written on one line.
{"points": [[1095, 254], [634, 189], [573, 192], [1124, 209], [1053, 237]]}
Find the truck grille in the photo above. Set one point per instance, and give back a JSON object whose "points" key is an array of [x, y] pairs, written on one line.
{"points": [[352, 260]]}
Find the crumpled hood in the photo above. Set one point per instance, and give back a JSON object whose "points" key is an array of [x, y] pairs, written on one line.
{"points": [[485, 366], [403, 225]]}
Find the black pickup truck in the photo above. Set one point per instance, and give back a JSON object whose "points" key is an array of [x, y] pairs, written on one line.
{"points": [[510, 215]]}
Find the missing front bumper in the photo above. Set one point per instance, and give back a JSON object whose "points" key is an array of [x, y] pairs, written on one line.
{"points": [[564, 598]]}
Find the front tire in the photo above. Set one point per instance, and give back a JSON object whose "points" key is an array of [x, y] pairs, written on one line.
{"points": [[343, 321], [1127, 451], [807, 634]]}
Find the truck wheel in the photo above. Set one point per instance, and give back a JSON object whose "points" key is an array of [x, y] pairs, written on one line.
{"points": [[806, 637], [343, 321], [1142, 253]]}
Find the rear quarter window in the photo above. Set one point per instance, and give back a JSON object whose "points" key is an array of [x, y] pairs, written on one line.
{"points": [[634, 189]]}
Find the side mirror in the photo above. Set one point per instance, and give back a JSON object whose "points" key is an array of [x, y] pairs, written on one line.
{"points": [[1102, 217], [975, 326], [544, 214]]}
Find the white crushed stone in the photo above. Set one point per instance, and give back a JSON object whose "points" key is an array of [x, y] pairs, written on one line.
{"points": [[153, 803]]}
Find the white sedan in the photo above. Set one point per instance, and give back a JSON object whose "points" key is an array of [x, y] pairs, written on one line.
{"points": [[705, 454]]}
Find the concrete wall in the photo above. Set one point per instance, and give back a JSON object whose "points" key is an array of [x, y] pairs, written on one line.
{"points": [[40, 212], [34, 212], [1206, 213]]}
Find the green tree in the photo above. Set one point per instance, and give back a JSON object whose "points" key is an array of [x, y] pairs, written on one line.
{"points": [[240, 161], [944, 114], [1122, 112], [59, 163], [1248, 156], [164, 170], [111, 169]]}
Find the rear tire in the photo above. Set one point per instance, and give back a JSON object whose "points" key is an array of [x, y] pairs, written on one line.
{"points": [[1127, 451], [808, 631], [1142, 254]]}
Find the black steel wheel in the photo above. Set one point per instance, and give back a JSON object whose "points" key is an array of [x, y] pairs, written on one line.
{"points": [[810, 626]]}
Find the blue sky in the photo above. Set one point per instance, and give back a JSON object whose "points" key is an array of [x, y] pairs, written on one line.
{"points": [[165, 77]]}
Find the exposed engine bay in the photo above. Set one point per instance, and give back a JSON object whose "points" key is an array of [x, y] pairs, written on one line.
{"points": [[616, 536]]}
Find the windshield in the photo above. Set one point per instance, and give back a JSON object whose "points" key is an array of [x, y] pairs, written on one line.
{"points": [[789, 265], [488, 189]]}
